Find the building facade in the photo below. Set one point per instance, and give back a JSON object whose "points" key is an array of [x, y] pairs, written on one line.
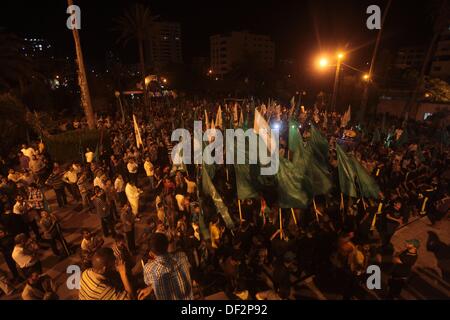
{"points": [[440, 65], [410, 57], [164, 46], [229, 48]]}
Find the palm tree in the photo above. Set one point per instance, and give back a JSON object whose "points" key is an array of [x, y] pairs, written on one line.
{"points": [[441, 14], [135, 24], [82, 79]]}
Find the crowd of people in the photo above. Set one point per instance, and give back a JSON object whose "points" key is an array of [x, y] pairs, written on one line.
{"points": [[185, 249]]}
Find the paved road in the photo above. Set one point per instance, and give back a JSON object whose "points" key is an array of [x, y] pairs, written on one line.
{"points": [[430, 279]]}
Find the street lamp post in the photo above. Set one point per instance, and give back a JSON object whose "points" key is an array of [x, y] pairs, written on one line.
{"points": [[336, 81]]}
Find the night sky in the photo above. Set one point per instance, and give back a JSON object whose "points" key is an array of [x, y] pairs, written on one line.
{"points": [[299, 28]]}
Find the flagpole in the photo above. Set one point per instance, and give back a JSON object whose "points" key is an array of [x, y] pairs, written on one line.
{"points": [[281, 224], [293, 216], [240, 210], [315, 210]]}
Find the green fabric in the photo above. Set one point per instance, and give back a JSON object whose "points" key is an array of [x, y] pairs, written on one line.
{"points": [[367, 186], [293, 188], [346, 173], [403, 139], [319, 145], [210, 190], [294, 136], [316, 171], [376, 137]]}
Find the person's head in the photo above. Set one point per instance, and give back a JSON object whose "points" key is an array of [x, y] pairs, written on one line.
{"points": [[103, 261], [2, 232], [158, 244], [33, 186], [19, 198], [97, 190], [120, 239], [44, 214], [397, 204], [88, 150], [11, 171], [412, 245], [33, 278], [86, 234], [20, 239]]}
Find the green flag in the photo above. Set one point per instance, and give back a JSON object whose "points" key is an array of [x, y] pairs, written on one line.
{"points": [[293, 188], [319, 145], [294, 136], [367, 186], [346, 173], [403, 139], [376, 137], [209, 189]]}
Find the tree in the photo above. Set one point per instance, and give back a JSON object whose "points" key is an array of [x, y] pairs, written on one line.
{"points": [[82, 79], [136, 24], [441, 13], [437, 89]]}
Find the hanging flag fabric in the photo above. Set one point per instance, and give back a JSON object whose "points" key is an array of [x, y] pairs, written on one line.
{"points": [[367, 186], [261, 127], [206, 120], [294, 136], [244, 182], [303, 159], [346, 173], [292, 102], [263, 109], [293, 188], [319, 145], [210, 190], [235, 115], [137, 133], [403, 139], [346, 117], [219, 123], [376, 136]]}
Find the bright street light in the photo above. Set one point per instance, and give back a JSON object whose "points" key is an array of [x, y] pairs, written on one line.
{"points": [[323, 62], [366, 77], [340, 55]]}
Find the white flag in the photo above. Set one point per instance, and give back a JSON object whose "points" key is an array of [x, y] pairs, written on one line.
{"points": [[346, 117], [235, 115], [262, 128], [219, 123], [137, 133], [206, 120]]}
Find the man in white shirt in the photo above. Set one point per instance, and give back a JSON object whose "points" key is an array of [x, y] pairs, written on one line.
{"points": [[27, 151], [119, 186], [89, 156], [133, 193], [14, 176], [71, 178], [132, 167], [20, 206], [25, 256], [99, 181], [149, 171]]}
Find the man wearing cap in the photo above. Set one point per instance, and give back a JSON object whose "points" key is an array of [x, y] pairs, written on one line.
{"points": [[403, 264]]}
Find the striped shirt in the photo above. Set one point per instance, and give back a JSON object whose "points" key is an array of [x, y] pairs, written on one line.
{"points": [[169, 277], [94, 286]]}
